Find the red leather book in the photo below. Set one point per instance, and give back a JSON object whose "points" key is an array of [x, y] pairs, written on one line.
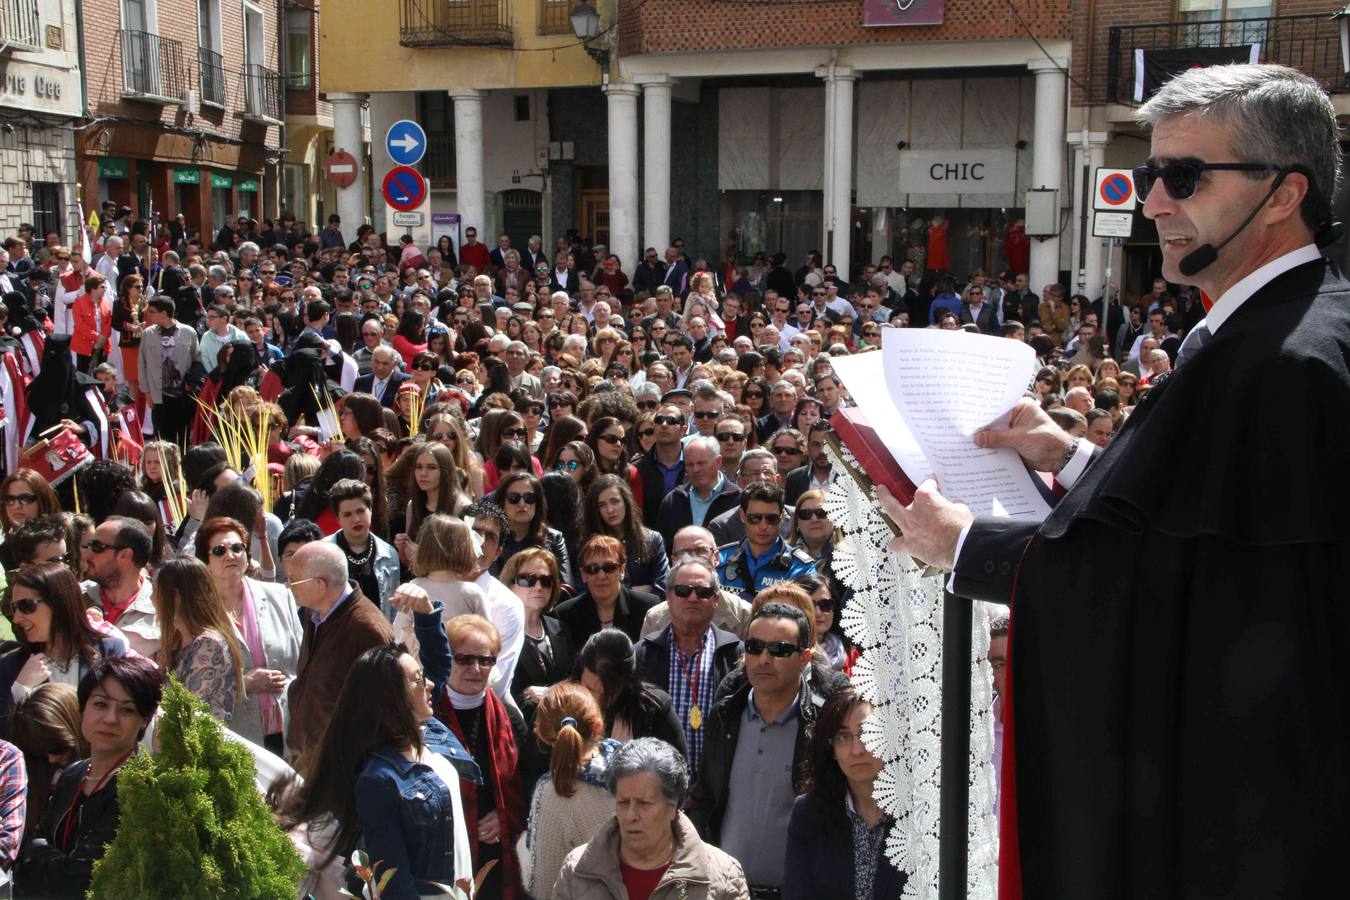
{"points": [[877, 464]]}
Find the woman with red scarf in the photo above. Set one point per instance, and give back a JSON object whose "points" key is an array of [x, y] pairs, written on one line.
{"points": [[492, 732]]}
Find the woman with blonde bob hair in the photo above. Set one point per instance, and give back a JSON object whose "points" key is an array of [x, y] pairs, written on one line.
{"points": [[444, 564], [571, 802], [197, 639]]}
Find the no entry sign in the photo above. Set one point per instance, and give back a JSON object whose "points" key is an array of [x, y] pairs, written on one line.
{"points": [[404, 188], [1115, 191], [341, 169]]}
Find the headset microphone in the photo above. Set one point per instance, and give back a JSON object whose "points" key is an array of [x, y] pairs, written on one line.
{"points": [[1204, 256]]}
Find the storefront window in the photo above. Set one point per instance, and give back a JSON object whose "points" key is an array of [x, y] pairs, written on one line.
{"points": [[954, 241], [769, 221]]}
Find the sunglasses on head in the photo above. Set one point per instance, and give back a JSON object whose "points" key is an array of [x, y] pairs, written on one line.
{"points": [[760, 518], [806, 515], [25, 499], [220, 550], [529, 497], [777, 649], [469, 659], [704, 592], [1181, 179], [530, 581], [608, 568]]}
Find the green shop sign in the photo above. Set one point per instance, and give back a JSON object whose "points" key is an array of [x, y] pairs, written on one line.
{"points": [[187, 176], [112, 167], [248, 184], [221, 181]]}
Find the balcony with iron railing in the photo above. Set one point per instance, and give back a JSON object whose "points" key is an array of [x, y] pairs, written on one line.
{"points": [[262, 95], [20, 25], [1310, 43], [153, 68], [211, 76], [452, 23]]}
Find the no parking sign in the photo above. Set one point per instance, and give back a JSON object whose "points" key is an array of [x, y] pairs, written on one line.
{"points": [[1115, 191]]}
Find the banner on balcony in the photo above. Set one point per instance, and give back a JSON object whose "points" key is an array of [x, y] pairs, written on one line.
{"points": [[902, 12], [1154, 68]]}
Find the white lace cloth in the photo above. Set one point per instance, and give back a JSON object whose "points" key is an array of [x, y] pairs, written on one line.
{"points": [[895, 618]]}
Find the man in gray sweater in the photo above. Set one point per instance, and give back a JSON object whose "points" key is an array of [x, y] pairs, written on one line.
{"points": [[168, 350]]}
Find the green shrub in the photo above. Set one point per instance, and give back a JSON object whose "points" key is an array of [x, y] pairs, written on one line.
{"points": [[193, 825]]}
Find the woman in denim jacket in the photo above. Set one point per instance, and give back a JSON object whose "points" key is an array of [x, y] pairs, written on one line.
{"points": [[388, 772]]}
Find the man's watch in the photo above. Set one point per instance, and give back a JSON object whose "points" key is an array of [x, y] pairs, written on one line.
{"points": [[1068, 457]]}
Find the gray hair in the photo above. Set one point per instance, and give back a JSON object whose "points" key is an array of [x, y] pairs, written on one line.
{"points": [[755, 453], [707, 442], [684, 561], [218, 273], [324, 559], [647, 389], [1275, 115], [653, 755], [248, 246]]}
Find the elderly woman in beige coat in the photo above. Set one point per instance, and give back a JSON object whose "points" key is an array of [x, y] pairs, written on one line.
{"points": [[649, 850]]}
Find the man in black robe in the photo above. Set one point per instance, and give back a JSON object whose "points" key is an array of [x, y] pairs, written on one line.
{"points": [[1180, 625]]}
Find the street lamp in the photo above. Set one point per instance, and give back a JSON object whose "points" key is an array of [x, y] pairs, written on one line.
{"points": [[586, 26]]}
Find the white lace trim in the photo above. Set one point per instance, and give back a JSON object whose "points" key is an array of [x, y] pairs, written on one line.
{"points": [[895, 618]]}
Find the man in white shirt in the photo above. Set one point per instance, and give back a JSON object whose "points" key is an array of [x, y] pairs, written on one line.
{"points": [[107, 263], [506, 610]]}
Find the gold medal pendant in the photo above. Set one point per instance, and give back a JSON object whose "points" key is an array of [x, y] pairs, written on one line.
{"points": [[695, 717]]}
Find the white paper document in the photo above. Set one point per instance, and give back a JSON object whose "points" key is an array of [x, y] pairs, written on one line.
{"points": [[928, 391]]}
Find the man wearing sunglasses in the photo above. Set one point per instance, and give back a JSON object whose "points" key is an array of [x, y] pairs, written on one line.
{"points": [[754, 466], [121, 586], [705, 494], [754, 738], [689, 657], [1242, 168], [763, 557]]}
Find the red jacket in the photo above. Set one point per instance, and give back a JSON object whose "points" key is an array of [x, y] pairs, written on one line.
{"points": [[475, 255], [89, 327]]}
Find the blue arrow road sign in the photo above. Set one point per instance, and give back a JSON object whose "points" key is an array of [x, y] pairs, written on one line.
{"points": [[405, 142]]}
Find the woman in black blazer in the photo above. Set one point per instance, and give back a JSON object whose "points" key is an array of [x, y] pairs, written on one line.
{"points": [[837, 814]]}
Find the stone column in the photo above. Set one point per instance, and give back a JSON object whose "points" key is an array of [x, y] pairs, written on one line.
{"points": [[623, 171], [827, 179], [386, 108], [839, 140], [1090, 264], [469, 196], [1047, 163], [655, 169], [347, 135]]}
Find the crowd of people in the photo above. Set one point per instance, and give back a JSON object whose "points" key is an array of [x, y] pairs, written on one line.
{"points": [[515, 556]]}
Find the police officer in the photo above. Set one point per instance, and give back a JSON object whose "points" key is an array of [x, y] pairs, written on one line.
{"points": [[762, 558]]}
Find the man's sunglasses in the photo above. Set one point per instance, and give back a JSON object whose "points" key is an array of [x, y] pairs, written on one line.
{"points": [[97, 546], [786, 451], [1181, 179], [608, 568], [668, 420], [707, 413], [725, 437], [759, 518], [777, 649], [648, 405], [530, 581], [704, 592]]}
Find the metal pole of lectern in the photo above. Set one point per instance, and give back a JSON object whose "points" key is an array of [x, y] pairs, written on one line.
{"points": [[954, 803]]}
